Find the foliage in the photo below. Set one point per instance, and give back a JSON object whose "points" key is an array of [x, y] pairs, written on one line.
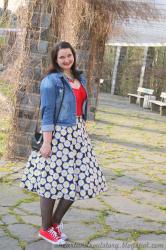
{"points": [[129, 70], [4, 127], [6, 89], [108, 66], [5, 114]]}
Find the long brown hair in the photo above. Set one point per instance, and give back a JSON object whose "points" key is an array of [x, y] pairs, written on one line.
{"points": [[54, 54]]}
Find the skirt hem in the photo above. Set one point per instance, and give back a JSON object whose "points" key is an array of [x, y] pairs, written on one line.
{"points": [[75, 199]]}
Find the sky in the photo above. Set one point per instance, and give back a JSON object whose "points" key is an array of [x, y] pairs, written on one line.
{"points": [[139, 31], [13, 4]]}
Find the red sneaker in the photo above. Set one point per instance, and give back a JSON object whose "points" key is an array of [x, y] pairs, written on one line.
{"points": [[58, 229], [51, 236]]}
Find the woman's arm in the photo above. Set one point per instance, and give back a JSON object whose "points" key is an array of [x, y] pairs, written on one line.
{"points": [[46, 147], [47, 137], [48, 97]]}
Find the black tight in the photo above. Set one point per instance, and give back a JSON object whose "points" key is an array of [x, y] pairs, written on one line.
{"points": [[61, 209], [47, 206]]}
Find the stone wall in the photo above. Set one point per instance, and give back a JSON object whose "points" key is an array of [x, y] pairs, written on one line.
{"points": [[34, 59]]}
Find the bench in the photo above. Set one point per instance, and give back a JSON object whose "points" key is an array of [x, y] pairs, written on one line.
{"points": [[139, 97], [159, 105]]}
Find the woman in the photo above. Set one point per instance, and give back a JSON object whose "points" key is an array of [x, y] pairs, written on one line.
{"points": [[65, 169]]}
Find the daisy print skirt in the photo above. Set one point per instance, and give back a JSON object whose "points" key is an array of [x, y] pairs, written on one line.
{"points": [[71, 172]]}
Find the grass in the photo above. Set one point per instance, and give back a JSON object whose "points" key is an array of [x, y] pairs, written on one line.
{"points": [[6, 91], [163, 208], [5, 88], [118, 172], [2, 41], [105, 228], [22, 244], [3, 135]]}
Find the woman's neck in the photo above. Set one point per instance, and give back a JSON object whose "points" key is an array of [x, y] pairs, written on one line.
{"points": [[68, 74]]}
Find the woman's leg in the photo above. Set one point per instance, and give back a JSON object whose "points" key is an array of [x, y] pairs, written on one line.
{"points": [[61, 209], [46, 206]]}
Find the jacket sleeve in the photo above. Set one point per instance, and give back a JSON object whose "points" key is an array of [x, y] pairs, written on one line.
{"points": [[48, 98]]}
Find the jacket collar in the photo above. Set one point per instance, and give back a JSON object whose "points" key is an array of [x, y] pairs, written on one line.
{"points": [[82, 80], [60, 74]]}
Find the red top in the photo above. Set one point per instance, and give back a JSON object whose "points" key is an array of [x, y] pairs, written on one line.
{"points": [[80, 95]]}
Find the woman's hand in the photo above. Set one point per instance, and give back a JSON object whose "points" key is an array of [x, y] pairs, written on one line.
{"points": [[45, 150], [46, 147]]}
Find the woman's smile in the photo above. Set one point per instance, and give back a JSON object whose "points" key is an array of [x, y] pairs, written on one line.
{"points": [[65, 58]]}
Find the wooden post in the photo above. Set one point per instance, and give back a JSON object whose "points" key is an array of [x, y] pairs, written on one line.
{"points": [[162, 110], [114, 76], [143, 67]]}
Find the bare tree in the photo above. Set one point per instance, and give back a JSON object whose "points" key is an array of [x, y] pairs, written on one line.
{"points": [[94, 26], [4, 17], [125, 9], [5, 5]]}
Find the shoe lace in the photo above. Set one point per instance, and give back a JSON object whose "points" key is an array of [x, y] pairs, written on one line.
{"points": [[52, 232], [59, 228]]}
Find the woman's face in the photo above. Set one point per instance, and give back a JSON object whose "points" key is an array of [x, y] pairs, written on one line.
{"points": [[65, 59]]}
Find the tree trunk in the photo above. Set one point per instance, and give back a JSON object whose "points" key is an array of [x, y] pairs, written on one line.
{"points": [[149, 66], [5, 11], [122, 57], [115, 71], [143, 67], [89, 37]]}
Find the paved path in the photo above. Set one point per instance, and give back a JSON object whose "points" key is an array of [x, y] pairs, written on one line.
{"points": [[131, 146]]}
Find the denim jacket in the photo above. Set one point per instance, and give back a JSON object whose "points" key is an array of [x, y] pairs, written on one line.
{"points": [[51, 93]]}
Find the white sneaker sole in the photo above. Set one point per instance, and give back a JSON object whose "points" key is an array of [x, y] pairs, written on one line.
{"points": [[59, 242]]}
